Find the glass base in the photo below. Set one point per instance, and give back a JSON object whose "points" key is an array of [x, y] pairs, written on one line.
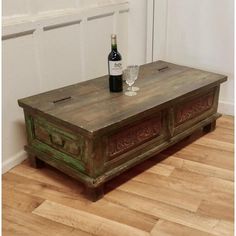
{"points": [[135, 89], [130, 93]]}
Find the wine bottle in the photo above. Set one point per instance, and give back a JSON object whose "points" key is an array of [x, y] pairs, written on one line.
{"points": [[115, 67]]}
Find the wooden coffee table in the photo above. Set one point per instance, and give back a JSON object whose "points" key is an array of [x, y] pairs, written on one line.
{"points": [[94, 135]]}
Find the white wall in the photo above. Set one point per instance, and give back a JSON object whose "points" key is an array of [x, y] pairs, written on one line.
{"points": [[49, 44], [137, 31], [198, 34]]}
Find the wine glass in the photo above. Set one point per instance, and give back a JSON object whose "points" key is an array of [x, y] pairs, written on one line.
{"points": [[131, 74], [135, 88]]}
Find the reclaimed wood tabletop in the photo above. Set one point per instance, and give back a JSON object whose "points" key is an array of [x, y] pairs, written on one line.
{"points": [[91, 107]]}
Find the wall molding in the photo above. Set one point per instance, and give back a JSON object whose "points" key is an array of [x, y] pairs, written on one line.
{"points": [[16, 35], [100, 16], [13, 161], [64, 24], [17, 24]]}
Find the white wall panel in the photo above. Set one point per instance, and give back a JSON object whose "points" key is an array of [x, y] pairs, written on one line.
{"points": [[160, 29], [122, 35], [86, 3], [19, 80], [61, 57], [137, 32], [198, 34], [46, 5], [15, 7], [97, 45]]}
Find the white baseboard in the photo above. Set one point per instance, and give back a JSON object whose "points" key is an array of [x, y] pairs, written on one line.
{"points": [[13, 161], [226, 108]]}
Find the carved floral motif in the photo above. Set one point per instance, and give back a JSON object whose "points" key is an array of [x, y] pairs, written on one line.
{"points": [[193, 108], [133, 136]]}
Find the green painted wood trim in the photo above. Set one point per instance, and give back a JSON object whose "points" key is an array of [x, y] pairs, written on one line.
{"points": [[63, 133], [60, 165], [29, 124], [57, 155]]}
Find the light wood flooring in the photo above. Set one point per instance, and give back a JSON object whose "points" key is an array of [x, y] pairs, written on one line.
{"points": [[187, 190]]}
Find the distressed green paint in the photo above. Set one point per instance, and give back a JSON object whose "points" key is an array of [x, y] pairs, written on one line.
{"points": [[59, 164], [60, 140], [68, 160], [29, 127]]}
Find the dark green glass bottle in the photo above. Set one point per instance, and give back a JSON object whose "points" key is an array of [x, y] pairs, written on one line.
{"points": [[115, 67]]}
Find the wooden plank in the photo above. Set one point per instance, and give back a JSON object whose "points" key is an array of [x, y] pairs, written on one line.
{"points": [[216, 210], [28, 224], [216, 189], [115, 212], [221, 134], [164, 211], [222, 185], [219, 145], [84, 221], [202, 154], [181, 186], [49, 175], [162, 194], [208, 170], [11, 228], [34, 189], [216, 194], [226, 122], [167, 228], [159, 169], [18, 200], [203, 169], [171, 160], [225, 228], [112, 211], [229, 132]]}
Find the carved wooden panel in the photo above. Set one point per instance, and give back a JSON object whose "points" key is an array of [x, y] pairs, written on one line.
{"points": [[58, 138], [193, 108], [130, 137]]}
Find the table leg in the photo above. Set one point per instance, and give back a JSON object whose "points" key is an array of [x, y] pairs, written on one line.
{"points": [[95, 194], [35, 162], [210, 127]]}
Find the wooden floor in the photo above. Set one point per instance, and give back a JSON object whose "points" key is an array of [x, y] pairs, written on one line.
{"points": [[187, 190]]}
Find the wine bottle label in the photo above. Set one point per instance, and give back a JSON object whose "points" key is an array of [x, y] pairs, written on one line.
{"points": [[115, 67]]}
